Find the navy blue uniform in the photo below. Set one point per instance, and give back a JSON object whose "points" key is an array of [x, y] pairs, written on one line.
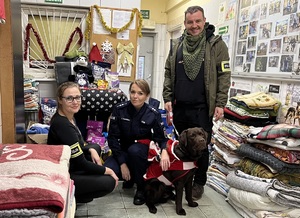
{"points": [[127, 125]]}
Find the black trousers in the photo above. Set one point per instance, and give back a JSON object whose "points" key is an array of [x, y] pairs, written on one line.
{"points": [[136, 160], [89, 186], [189, 116]]}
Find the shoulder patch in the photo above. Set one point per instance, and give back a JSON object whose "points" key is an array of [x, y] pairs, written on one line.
{"points": [[122, 104], [152, 108], [225, 66]]}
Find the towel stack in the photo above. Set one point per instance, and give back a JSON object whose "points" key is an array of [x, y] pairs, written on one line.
{"points": [[31, 96]]}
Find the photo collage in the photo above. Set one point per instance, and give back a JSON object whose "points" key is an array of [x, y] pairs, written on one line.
{"points": [[268, 37]]}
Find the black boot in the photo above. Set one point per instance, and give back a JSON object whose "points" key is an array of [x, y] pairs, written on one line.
{"points": [[139, 198]]}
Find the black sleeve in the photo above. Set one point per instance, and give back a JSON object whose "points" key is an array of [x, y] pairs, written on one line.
{"points": [[62, 132], [114, 136], [159, 133]]}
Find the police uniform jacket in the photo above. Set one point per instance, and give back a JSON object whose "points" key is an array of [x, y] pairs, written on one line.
{"points": [[127, 125]]}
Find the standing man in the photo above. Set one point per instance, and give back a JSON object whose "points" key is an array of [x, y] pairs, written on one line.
{"points": [[197, 79]]}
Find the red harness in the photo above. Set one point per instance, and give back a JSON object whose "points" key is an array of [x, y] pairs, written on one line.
{"points": [[155, 171]]}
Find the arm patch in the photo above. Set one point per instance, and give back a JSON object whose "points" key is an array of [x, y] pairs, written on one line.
{"points": [[225, 66], [76, 150]]}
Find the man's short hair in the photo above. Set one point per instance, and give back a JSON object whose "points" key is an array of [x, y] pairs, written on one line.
{"points": [[193, 9]]}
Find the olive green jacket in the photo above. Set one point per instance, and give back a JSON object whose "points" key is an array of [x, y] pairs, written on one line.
{"points": [[217, 81]]}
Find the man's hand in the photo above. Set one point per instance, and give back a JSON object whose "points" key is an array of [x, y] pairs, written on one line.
{"points": [[219, 113], [168, 106]]}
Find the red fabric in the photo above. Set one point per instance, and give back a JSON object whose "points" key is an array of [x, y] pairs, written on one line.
{"points": [[95, 55], [144, 141], [155, 171], [2, 10], [230, 112], [34, 176]]}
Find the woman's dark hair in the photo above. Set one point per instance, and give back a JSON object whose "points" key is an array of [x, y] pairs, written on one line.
{"points": [[142, 84]]}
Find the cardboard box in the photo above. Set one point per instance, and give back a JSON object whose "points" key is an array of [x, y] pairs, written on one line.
{"points": [[35, 138]]}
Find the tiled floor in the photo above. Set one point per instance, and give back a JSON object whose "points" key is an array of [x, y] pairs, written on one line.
{"points": [[120, 204]]}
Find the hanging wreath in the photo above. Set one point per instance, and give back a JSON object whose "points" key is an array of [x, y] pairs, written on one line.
{"points": [[111, 29], [39, 40]]}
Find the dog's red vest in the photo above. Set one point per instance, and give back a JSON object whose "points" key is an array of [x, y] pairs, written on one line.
{"points": [[155, 171]]}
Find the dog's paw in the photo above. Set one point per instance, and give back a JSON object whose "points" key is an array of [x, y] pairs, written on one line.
{"points": [[181, 212], [193, 204], [153, 210]]}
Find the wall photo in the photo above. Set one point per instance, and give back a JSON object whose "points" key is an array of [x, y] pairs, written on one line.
{"points": [[271, 30]]}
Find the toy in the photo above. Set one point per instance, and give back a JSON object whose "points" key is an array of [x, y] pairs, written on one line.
{"points": [[84, 76]]}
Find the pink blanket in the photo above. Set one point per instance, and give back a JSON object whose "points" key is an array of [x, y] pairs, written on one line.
{"points": [[2, 10], [34, 176]]}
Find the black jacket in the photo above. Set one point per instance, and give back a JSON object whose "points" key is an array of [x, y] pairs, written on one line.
{"points": [[128, 125]]}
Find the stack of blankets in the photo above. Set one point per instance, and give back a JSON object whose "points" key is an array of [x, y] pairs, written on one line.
{"points": [[256, 168], [34, 180], [228, 136], [31, 96], [256, 109]]}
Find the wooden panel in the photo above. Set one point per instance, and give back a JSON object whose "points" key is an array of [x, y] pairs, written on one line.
{"points": [[7, 79]]}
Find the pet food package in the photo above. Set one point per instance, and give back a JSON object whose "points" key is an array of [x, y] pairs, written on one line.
{"points": [[99, 69], [96, 126], [113, 80], [96, 139], [48, 108]]}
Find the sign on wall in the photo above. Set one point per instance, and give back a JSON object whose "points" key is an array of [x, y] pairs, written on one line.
{"points": [[145, 14], [54, 1]]}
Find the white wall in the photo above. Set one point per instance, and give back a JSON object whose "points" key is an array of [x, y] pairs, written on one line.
{"points": [[125, 4]]}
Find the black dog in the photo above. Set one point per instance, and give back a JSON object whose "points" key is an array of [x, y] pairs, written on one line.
{"points": [[183, 155]]}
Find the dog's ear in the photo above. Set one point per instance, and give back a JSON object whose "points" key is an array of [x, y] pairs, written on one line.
{"points": [[205, 134], [183, 138]]}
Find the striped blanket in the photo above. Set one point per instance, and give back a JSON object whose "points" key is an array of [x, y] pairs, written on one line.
{"points": [[33, 176]]}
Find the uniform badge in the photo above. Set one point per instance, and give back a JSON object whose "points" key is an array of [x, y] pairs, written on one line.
{"points": [[225, 66]]}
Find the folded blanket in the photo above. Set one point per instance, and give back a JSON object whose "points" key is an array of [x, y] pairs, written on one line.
{"points": [[257, 169], [242, 210], [279, 130], [253, 201], [285, 195], [238, 182], [290, 213], [258, 100], [285, 144], [34, 176], [264, 157], [39, 213]]}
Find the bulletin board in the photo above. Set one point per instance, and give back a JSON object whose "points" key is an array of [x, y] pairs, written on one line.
{"points": [[118, 30], [268, 40]]}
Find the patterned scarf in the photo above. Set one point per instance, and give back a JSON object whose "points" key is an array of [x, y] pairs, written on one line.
{"points": [[193, 53]]}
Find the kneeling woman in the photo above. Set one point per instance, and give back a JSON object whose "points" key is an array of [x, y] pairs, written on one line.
{"points": [[91, 179], [133, 125]]}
